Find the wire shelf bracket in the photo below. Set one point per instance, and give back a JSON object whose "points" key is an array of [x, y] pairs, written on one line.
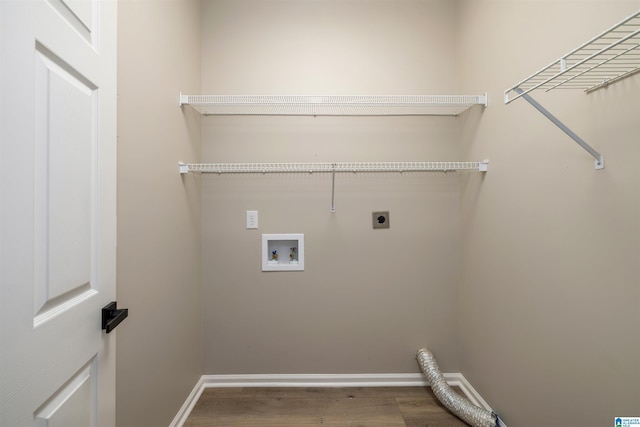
{"points": [[607, 58], [338, 105], [333, 168], [599, 162]]}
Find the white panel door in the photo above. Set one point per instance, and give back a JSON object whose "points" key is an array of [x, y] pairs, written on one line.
{"points": [[58, 225]]}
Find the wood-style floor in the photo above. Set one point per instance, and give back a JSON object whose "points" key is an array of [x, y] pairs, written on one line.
{"points": [[292, 406]]}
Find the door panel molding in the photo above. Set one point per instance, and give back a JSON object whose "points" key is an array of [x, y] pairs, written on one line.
{"points": [[74, 403]]}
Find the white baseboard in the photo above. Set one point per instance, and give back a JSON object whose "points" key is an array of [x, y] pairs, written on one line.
{"points": [[458, 380], [187, 406], [321, 380], [315, 380]]}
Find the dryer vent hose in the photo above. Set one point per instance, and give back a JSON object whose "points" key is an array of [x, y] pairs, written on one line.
{"points": [[460, 406]]}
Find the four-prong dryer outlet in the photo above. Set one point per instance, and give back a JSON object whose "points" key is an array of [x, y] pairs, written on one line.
{"points": [[380, 219]]}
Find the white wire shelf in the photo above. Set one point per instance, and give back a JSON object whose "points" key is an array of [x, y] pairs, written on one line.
{"points": [[606, 58], [221, 168], [339, 105]]}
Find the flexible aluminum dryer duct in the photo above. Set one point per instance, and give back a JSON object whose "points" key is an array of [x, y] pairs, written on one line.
{"points": [[460, 406]]}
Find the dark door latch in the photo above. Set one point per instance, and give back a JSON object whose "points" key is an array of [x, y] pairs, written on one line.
{"points": [[112, 316]]}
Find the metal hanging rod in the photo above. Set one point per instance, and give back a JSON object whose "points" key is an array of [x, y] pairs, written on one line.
{"points": [[332, 105], [610, 56], [221, 168]]}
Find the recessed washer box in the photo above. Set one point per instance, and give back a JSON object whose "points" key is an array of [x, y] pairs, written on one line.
{"points": [[282, 252]]}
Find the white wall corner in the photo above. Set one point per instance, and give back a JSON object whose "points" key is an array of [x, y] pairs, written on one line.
{"points": [[322, 380]]}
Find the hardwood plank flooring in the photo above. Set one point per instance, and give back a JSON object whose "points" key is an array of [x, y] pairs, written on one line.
{"points": [[323, 406]]}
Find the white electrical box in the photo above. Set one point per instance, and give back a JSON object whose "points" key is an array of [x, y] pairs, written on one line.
{"points": [[282, 252]]}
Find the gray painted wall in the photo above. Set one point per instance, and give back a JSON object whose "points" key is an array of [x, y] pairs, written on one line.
{"points": [[159, 347], [550, 246], [368, 299]]}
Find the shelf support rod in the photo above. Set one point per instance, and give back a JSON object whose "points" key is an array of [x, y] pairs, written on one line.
{"points": [[333, 189], [599, 162]]}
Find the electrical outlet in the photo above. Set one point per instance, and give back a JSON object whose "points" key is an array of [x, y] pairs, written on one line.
{"points": [[252, 219], [380, 219]]}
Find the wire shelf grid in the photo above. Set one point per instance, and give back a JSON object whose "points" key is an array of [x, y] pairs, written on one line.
{"points": [[606, 58], [339, 105], [221, 168]]}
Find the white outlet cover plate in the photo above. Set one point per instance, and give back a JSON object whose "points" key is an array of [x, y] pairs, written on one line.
{"points": [[252, 219]]}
